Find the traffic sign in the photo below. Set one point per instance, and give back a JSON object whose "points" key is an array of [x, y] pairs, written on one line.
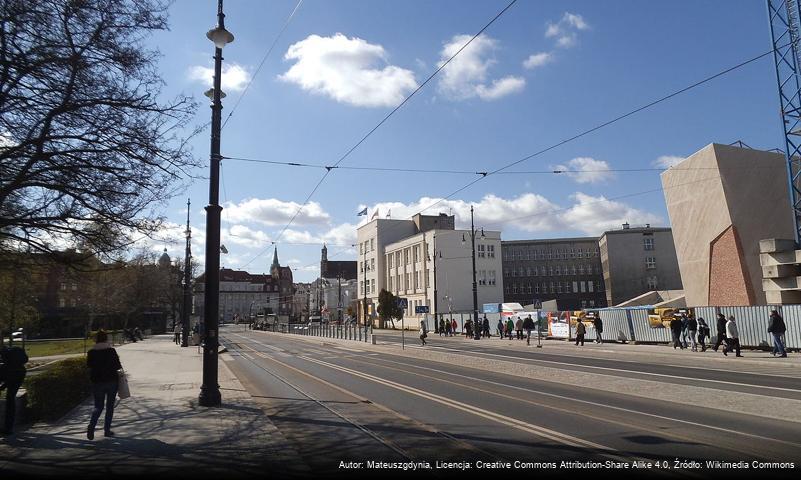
{"points": [[421, 309], [403, 303], [537, 304]]}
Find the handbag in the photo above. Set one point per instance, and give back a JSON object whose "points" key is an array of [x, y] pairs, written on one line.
{"points": [[122, 385]]}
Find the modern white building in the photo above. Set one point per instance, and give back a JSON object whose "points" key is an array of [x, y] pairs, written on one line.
{"points": [[428, 262]]}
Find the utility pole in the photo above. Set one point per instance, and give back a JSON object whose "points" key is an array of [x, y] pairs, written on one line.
{"points": [[339, 294], [475, 286], [187, 304], [434, 251]]}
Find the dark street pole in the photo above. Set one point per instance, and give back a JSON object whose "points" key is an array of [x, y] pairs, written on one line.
{"points": [[210, 390], [187, 310], [475, 287]]}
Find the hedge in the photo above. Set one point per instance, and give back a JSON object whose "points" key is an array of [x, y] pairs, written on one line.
{"points": [[57, 390]]}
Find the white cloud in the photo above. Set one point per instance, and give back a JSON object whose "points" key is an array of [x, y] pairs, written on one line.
{"points": [[272, 211], [466, 75], [234, 77], [244, 236], [565, 30], [348, 70], [594, 215], [341, 235], [592, 171], [667, 161], [537, 60]]}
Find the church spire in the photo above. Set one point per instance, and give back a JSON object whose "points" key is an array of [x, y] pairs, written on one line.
{"points": [[275, 259]]}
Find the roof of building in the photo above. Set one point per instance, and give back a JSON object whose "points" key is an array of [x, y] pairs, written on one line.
{"points": [[646, 229], [549, 240]]}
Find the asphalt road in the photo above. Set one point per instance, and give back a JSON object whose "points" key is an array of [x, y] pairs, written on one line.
{"points": [[345, 403]]}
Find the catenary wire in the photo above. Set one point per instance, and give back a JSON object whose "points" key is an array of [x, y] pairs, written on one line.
{"points": [[366, 136]]}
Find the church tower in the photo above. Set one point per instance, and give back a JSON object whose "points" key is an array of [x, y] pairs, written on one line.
{"points": [[275, 268]]}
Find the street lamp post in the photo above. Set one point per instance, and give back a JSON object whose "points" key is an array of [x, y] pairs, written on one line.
{"points": [[187, 309], [477, 330], [210, 390]]}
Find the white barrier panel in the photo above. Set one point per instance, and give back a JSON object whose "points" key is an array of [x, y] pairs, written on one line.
{"points": [[643, 332], [752, 325]]}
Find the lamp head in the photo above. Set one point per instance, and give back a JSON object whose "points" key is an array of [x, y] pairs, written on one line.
{"points": [[220, 36]]}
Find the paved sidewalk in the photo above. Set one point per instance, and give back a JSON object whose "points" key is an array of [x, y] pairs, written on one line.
{"points": [[160, 429]]}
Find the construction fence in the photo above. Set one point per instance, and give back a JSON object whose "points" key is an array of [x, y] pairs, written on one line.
{"points": [[642, 324]]}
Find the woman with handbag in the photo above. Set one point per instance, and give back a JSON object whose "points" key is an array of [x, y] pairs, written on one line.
{"points": [[104, 364]]}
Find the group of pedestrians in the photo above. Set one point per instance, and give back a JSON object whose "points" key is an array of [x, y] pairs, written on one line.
{"points": [[685, 327], [503, 329], [581, 331]]}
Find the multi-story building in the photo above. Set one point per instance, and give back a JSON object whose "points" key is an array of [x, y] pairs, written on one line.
{"points": [[567, 270], [434, 268], [411, 246], [243, 293], [301, 302], [722, 200], [638, 260]]}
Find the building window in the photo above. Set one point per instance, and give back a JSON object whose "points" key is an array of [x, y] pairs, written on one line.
{"points": [[549, 255], [557, 270], [506, 288], [650, 262], [534, 271], [542, 270], [529, 288], [652, 283], [514, 288], [389, 260], [583, 286], [592, 303], [550, 270], [491, 251], [63, 286], [648, 243], [372, 287], [372, 244], [372, 264], [62, 302], [583, 304], [589, 286], [536, 288], [492, 277], [553, 290], [558, 287], [482, 277], [581, 270], [481, 253]]}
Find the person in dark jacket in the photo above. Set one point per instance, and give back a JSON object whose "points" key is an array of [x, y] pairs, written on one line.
{"points": [[675, 330], [485, 332], [703, 333], [14, 360], [692, 331], [721, 338], [103, 363], [580, 331], [776, 327], [599, 328], [528, 326]]}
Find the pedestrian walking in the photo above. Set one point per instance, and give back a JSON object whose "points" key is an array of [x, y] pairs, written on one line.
{"points": [[580, 331], [528, 326], [442, 327], [485, 328], [447, 327], [12, 373], [732, 337], [177, 333], [468, 328], [703, 333], [104, 364], [599, 328], [675, 330], [692, 332], [500, 328], [777, 327], [510, 325], [423, 331], [454, 325], [721, 332], [519, 328], [684, 323]]}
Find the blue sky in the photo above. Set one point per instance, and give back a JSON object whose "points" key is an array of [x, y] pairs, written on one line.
{"points": [[543, 72]]}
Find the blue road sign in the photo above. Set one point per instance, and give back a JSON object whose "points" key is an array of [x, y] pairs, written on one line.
{"points": [[403, 303], [421, 309]]}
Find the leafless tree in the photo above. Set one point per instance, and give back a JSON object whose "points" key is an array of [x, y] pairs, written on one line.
{"points": [[89, 149]]}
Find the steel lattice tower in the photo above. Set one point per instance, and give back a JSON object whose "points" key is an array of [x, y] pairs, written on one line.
{"points": [[783, 16]]}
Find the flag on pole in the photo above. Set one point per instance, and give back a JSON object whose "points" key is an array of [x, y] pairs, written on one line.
{"points": [[363, 212], [375, 215]]}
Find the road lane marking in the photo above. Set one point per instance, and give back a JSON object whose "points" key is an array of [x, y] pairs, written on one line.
{"points": [[553, 435], [588, 402], [738, 384]]}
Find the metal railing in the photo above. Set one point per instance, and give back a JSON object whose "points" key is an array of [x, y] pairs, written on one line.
{"points": [[328, 330]]}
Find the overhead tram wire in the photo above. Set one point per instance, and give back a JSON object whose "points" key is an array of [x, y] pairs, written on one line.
{"points": [[600, 126], [405, 100], [264, 59], [470, 172]]}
